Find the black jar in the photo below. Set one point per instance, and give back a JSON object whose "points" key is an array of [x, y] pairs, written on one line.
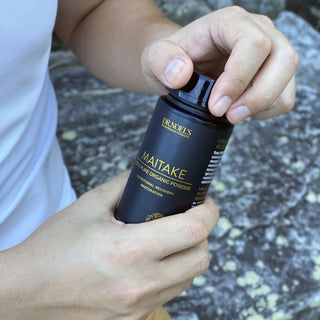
{"points": [[178, 156]]}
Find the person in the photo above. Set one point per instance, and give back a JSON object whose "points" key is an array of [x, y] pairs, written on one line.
{"points": [[70, 259]]}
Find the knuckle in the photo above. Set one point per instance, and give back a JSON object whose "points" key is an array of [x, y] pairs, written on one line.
{"points": [[212, 209], [262, 103], [199, 230], [261, 41], [133, 294], [287, 104], [293, 56], [204, 263], [266, 20], [130, 298], [238, 9], [239, 85]]}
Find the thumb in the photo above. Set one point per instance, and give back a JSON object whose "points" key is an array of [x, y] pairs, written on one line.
{"points": [[111, 191], [168, 63]]}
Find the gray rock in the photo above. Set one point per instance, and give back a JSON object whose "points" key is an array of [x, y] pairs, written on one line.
{"points": [[184, 11], [219, 4], [271, 8], [308, 9], [265, 251]]}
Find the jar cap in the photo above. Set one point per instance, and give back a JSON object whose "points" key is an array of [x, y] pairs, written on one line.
{"points": [[196, 91]]}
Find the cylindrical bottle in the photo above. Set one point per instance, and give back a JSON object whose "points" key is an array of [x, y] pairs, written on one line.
{"points": [[178, 156]]}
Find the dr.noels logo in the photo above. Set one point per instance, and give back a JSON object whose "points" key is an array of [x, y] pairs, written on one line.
{"points": [[176, 127]]}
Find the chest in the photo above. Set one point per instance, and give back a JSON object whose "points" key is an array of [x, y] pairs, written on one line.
{"points": [[26, 27]]}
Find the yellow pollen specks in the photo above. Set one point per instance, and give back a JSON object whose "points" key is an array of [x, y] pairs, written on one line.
{"points": [[282, 241], [248, 184], [199, 281], [261, 291], [219, 186], [260, 264], [69, 135], [230, 266], [224, 224], [234, 233], [311, 197], [250, 278]]}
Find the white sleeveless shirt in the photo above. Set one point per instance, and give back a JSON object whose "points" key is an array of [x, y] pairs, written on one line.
{"points": [[34, 183]]}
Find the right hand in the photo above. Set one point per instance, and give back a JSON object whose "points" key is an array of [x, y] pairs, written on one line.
{"points": [[253, 62], [84, 264]]}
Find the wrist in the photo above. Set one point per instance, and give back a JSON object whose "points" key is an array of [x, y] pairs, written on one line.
{"points": [[18, 284]]}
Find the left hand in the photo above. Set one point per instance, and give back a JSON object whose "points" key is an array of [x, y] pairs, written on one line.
{"points": [[253, 62]]}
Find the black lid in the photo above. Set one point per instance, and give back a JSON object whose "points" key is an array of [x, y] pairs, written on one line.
{"points": [[196, 91]]}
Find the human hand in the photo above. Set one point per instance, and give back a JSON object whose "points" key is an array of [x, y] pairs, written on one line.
{"points": [[253, 62], [84, 264]]}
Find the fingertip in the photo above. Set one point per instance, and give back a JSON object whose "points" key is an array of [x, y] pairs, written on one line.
{"points": [[169, 63], [238, 114], [177, 72], [220, 107]]}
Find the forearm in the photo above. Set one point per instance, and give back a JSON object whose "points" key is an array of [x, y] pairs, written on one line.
{"points": [[110, 39]]}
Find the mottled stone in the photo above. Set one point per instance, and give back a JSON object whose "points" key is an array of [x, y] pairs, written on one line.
{"points": [[219, 4], [308, 9], [265, 253], [69, 135], [271, 8], [184, 11]]}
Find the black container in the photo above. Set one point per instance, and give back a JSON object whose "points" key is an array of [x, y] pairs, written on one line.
{"points": [[178, 156]]}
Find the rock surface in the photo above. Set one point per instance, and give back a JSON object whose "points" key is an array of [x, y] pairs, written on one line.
{"points": [[265, 251]]}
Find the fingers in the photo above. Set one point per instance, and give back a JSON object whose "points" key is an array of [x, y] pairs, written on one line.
{"points": [[270, 82], [166, 236], [261, 64], [173, 291], [176, 272], [282, 105], [109, 193], [187, 264], [245, 60], [164, 60], [156, 299]]}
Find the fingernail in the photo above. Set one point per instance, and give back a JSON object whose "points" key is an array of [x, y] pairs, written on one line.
{"points": [[172, 70], [222, 106], [238, 114]]}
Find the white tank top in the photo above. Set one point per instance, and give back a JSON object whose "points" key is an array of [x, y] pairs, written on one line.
{"points": [[34, 183]]}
